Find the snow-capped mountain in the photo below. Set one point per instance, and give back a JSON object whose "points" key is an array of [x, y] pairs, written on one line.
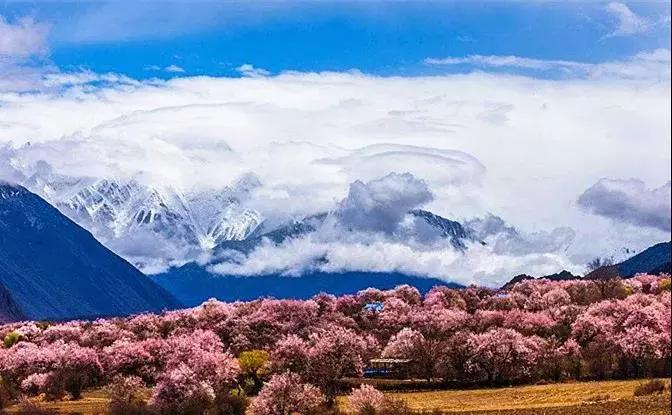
{"points": [[155, 226], [148, 222]]}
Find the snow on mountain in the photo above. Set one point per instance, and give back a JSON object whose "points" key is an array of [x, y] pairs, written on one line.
{"points": [[155, 226], [145, 223]]}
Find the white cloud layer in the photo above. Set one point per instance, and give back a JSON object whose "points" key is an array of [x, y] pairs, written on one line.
{"points": [[628, 23], [650, 65], [629, 201], [381, 204], [518, 147], [22, 39], [251, 71], [174, 69], [479, 266]]}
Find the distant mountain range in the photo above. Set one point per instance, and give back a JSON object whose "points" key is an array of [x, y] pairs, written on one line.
{"points": [[453, 231], [138, 221], [653, 260], [153, 226], [656, 259], [192, 284], [51, 268]]}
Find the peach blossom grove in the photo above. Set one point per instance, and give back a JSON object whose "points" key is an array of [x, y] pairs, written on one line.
{"points": [[307, 352]]}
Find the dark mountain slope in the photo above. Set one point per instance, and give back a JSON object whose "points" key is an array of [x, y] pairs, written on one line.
{"points": [[9, 310], [563, 275], [655, 260], [54, 269]]}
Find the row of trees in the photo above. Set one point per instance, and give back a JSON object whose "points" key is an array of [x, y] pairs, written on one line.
{"points": [[534, 330]]}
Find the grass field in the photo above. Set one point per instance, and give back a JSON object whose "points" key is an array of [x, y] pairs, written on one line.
{"points": [[522, 397], [555, 399], [564, 398]]}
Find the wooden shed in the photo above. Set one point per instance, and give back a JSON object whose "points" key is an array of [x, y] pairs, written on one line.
{"points": [[389, 368]]}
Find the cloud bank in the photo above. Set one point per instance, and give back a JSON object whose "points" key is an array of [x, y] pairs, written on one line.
{"points": [[628, 23], [518, 147], [372, 230], [22, 39], [21, 42], [649, 65], [629, 201], [379, 205]]}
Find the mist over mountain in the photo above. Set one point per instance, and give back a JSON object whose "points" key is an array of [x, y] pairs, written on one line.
{"points": [[380, 226]]}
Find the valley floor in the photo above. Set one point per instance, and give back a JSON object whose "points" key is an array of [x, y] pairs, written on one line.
{"points": [[613, 397], [577, 398]]}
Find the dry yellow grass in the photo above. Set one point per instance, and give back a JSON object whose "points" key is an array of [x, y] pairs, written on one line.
{"points": [[541, 396], [555, 399], [521, 397], [93, 402]]}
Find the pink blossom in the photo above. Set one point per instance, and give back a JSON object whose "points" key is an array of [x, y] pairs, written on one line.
{"points": [[180, 391], [35, 383], [365, 400], [291, 353], [285, 394]]}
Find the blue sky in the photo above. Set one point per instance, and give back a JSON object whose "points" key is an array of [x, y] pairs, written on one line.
{"points": [[392, 38]]}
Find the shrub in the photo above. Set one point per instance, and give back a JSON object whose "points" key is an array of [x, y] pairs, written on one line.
{"points": [[254, 367], [35, 384], [126, 396], [365, 400], [230, 403], [180, 392], [11, 339], [284, 394], [649, 388]]}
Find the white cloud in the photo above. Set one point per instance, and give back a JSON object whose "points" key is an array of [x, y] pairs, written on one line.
{"points": [[507, 240], [629, 201], [519, 147], [507, 61], [381, 204], [22, 39], [174, 69], [20, 42], [478, 266], [628, 23], [651, 65], [251, 71]]}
